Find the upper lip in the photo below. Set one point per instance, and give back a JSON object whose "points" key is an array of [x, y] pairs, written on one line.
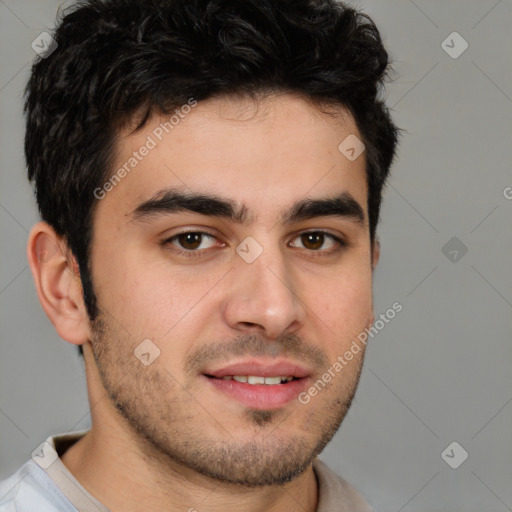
{"points": [[261, 368]]}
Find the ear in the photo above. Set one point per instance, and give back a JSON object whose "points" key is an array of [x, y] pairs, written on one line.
{"points": [[58, 284], [375, 253]]}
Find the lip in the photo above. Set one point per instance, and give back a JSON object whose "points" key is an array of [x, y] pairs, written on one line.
{"points": [[260, 396], [261, 368]]}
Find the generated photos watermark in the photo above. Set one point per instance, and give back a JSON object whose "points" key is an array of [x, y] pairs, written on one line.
{"points": [[356, 347], [157, 135]]}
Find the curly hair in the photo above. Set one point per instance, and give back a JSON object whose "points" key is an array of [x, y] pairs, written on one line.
{"points": [[117, 59]]}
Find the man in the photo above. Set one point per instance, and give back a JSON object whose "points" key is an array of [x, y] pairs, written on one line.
{"points": [[209, 176]]}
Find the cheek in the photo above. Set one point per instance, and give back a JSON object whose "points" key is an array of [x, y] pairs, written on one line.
{"points": [[152, 299], [344, 304]]}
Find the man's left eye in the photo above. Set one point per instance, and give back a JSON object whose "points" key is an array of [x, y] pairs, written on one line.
{"points": [[318, 240]]}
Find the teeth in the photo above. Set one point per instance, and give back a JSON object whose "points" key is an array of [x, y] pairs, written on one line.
{"points": [[272, 380], [256, 379]]}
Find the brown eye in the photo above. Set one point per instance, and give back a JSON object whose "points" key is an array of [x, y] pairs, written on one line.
{"points": [[318, 241], [190, 241], [312, 241]]}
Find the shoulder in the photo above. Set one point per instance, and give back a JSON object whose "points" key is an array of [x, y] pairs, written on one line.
{"points": [[335, 494], [30, 488]]}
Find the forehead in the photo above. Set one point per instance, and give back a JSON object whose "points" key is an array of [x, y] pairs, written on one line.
{"points": [[263, 154]]}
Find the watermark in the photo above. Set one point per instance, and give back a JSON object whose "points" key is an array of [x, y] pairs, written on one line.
{"points": [[343, 360], [454, 455], [249, 249], [351, 147], [179, 114], [454, 249], [151, 142], [44, 45], [146, 352], [454, 45], [507, 193], [44, 455]]}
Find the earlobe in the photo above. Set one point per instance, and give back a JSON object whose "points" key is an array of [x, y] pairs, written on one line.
{"points": [[58, 284]]}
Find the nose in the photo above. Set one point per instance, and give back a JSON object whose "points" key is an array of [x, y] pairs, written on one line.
{"points": [[263, 297]]}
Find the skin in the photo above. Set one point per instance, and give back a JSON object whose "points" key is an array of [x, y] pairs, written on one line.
{"points": [[162, 438]]}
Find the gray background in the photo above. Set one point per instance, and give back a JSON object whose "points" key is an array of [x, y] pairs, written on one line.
{"points": [[437, 373]]}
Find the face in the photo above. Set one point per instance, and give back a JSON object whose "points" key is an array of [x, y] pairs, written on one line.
{"points": [[238, 246]]}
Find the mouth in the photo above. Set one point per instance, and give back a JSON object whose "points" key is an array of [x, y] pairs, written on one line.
{"points": [[258, 384], [257, 379]]}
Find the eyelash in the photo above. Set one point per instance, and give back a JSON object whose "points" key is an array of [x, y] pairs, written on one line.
{"points": [[340, 244]]}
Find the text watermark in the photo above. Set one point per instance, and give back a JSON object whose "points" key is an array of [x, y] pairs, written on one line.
{"points": [[343, 360], [151, 142]]}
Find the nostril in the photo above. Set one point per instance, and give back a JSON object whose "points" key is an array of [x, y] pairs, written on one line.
{"points": [[251, 326]]}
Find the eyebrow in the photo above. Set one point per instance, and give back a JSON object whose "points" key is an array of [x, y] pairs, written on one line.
{"points": [[166, 202]]}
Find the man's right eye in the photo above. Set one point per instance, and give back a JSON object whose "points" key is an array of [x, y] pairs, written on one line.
{"points": [[192, 242]]}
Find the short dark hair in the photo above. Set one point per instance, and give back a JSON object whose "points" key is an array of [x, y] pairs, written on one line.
{"points": [[119, 59]]}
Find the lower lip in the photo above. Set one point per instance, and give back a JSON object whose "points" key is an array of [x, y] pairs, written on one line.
{"points": [[260, 396]]}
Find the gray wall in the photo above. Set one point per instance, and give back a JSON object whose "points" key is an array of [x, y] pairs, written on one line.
{"points": [[439, 372]]}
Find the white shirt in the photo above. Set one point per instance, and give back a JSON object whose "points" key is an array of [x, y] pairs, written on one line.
{"points": [[45, 484]]}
